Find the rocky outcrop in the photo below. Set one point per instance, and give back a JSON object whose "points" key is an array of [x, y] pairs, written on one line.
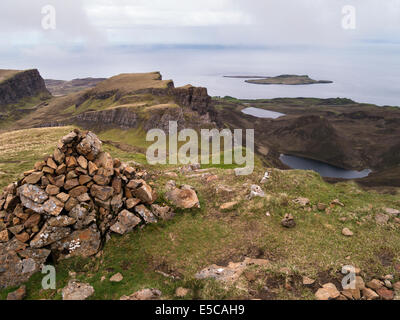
{"points": [[118, 117], [125, 118], [21, 85], [195, 98]]}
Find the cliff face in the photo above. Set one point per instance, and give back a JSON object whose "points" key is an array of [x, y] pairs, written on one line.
{"points": [[21, 85], [128, 101], [195, 98]]}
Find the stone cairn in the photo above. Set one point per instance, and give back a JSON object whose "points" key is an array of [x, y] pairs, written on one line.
{"points": [[68, 204]]}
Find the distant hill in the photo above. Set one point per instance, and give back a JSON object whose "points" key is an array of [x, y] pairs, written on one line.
{"points": [[16, 85], [284, 79], [21, 92], [128, 100]]}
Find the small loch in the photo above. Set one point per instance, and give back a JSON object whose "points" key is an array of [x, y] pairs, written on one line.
{"points": [[325, 170], [262, 113]]}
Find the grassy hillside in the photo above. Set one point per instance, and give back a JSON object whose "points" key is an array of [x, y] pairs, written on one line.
{"points": [[197, 238], [125, 90]]}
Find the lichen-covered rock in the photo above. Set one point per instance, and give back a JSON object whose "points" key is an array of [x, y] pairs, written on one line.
{"points": [[32, 197], [145, 294], [77, 291], [69, 137], [288, 221], [48, 235], [67, 203], [142, 191], [162, 212], [18, 268], [53, 206], [126, 222], [146, 214], [101, 192], [89, 146], [184, 198], [82, 243], [82, 216], [61, 221]]}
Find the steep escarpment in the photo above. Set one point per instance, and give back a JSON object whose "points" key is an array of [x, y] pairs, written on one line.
{"points": [[128, 101], [61, 87], [17, 85]]}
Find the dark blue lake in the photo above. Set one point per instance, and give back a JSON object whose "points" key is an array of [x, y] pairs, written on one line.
{"points": [[325, 170]]}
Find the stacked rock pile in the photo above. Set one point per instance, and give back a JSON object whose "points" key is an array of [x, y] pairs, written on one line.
{"points": [[68, 203]]}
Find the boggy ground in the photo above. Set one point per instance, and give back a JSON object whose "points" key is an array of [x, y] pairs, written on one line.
{"points": [[167, 255]]}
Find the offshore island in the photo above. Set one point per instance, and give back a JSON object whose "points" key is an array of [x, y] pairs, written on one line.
{"points": [[285, 79]]}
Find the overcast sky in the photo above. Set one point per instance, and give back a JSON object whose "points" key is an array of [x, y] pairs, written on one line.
{"points": [[84, 27], [205, 22]]}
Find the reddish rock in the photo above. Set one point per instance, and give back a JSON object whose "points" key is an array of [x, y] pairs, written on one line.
{"points": [[72, 202], [84, 179], [370, 294], [4, 236], [82, 162], [70, 184], [39, 165], [61, 169], [375, 284], [52, 190], [32, 221], [63, 197], [83, 243], [127, 221], [23, 237], [78, 191], [385, 293], [132, 202], [34, 177], [48, 170], [59, 181], [58, 156], [51, 163], [53, 206], [142, 191], [71, 162], [92, 168], [101, 180], [117, 185]]}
